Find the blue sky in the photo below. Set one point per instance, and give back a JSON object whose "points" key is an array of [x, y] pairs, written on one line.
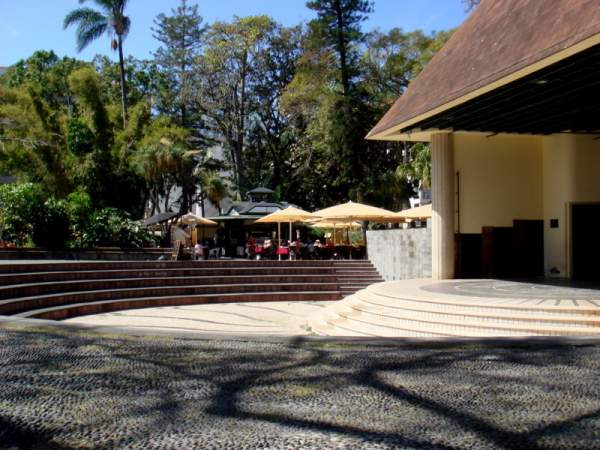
{"points": [[29, 25]]}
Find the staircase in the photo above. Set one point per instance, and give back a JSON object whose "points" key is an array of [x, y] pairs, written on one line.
{"points": [[63, 290], [353, 276], [389, 310]]}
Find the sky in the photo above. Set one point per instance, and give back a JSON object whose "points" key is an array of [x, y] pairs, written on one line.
{"points": [[30, 25]]}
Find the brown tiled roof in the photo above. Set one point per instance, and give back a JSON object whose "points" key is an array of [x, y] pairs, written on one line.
{"points": [[500, 38]]}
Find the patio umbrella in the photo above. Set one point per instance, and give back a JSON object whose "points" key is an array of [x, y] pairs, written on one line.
{"points": [[287, 215], [193, 219], [418, 213], [352, 211], [358, 211]]}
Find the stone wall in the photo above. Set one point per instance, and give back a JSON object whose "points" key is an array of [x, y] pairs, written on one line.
{"points": [[401, 254]]}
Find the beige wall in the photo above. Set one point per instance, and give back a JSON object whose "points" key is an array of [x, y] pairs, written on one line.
{"points": [[571, 174], [500, 179]]}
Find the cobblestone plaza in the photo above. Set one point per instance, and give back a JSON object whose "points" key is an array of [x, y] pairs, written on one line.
{"points": [[61, 388]]}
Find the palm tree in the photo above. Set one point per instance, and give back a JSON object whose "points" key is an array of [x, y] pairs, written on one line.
{"points": [[92, 24], [214, 188]]}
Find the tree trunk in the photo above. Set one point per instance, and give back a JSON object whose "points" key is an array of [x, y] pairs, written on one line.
{"points": [[123, 87], [342, 48]]}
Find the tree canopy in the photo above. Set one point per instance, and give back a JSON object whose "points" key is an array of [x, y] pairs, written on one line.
{"points": [[218, 109]]}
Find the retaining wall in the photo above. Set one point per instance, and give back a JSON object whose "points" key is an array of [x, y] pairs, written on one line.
{"points": [[401, 254]]}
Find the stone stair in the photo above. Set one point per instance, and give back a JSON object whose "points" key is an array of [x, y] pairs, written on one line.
{"points": [[355, 275], [64, 290], [384, 312]]}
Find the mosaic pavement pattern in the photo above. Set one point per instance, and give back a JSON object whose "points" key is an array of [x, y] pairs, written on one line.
{"points": [[541, 293], [64, 390]]}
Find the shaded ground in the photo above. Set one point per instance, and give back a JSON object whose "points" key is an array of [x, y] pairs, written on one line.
{"points": [[64, 389]]}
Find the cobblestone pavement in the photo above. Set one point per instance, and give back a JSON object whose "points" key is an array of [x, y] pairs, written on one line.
{"points": [[73, 389]]}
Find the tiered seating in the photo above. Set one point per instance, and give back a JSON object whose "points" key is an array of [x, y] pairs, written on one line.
{"points": [[68, 289], [401, 309]]}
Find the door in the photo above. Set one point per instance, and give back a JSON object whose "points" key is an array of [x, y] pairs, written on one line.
{"points": [[585, 239], [528, 249]]}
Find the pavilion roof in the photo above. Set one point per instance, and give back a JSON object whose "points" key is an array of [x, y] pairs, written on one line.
{"points": [[502, 41]]}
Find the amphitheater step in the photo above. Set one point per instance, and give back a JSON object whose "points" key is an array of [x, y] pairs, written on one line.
{"points": [[28, 288], [99, 307], [32, 289], [381, 311]]}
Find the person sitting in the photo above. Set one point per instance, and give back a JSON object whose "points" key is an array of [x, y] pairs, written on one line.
{"points": [[198, 252]]}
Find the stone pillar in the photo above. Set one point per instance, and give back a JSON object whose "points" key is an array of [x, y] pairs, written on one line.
{"points": [[442, 195]]}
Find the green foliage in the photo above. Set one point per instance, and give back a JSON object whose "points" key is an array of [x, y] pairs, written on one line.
{"points": [[283, 107], [417, 168], [50, 225], [18, 204], [214, 188], [80, 139], [110, 227], [181, 37]]}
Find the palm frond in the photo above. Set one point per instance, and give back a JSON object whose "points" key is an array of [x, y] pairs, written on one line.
{"points": [[82, 15], [126, 26], [86, 35]]}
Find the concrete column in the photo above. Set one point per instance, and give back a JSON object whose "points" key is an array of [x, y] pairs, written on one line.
{"points": [[442, 195]]}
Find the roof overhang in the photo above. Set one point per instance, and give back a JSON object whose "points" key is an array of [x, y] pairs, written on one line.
{"points": [[560, 93]]}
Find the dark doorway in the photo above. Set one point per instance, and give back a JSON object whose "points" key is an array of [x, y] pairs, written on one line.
{"points": [[528, 248], [585, 221]]}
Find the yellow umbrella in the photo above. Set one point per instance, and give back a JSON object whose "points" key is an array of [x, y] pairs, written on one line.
{"points": [[287, 215], [334, 224], [193, 219], [418, 213], [357, 211]]}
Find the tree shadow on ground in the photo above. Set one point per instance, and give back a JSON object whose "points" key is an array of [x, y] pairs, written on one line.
{"points": [[157, 382]]}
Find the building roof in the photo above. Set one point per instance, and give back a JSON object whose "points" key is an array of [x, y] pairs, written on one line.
{"points": [[7, 179], [261, 190], [503, 40], [159, 218]]}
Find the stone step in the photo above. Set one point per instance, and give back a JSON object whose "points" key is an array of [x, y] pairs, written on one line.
{"points": [[451, 305], [504, 321], [12, 279], [22, 304], [98, 307], [31, 289], [18, 267]]}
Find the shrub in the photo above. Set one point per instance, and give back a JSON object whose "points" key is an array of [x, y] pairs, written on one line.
{"points": [[50, 224], [18, 205], [110, 227]]}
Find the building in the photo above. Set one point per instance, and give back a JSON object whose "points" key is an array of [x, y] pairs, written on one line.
{"points": [[511, 107], [239, 218]]}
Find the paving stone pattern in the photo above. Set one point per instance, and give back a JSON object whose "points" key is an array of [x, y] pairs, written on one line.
{"points": [[65, 389]]}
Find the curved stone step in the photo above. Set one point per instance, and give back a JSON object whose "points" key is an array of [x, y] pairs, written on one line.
{"points": [[99, 307], [20, 267], [17, 305], [32, 289], [468, 325], [444, 304], [401, 310], [383, 311], [31, 277]]}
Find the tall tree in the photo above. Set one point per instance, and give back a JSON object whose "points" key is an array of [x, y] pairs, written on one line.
{"points": [[180, 35], [337, 26], [228, 69], [92, 24]]}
